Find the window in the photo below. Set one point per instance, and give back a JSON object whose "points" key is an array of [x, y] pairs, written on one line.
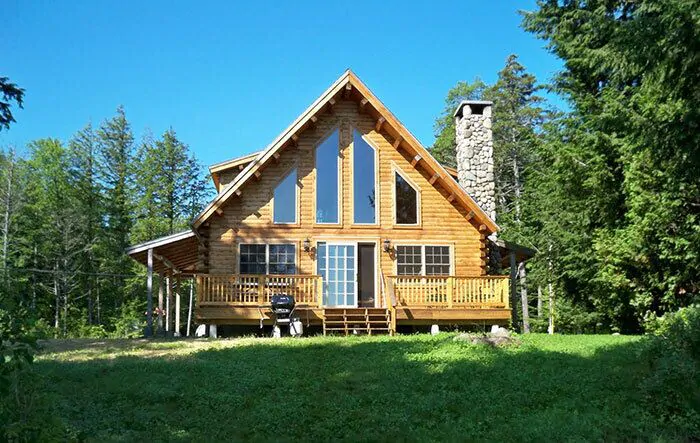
{"points": [[285, 199], [253, 259], [364, 172], [267, 259], [282, 259], [423, 260], [327, 161], [437, 260], [406, 198], [409, 260]]}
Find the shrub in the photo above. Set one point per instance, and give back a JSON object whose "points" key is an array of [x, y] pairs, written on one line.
{"points": [[672, 387]]}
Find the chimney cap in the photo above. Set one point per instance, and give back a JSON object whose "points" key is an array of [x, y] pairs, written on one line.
{"points": [[480, 103]]}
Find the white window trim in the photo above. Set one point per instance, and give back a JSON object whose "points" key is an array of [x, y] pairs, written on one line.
{"points": [[322, 139], [377, 199], [296, 197], [267, 253], [395, 169], [422, 245]]}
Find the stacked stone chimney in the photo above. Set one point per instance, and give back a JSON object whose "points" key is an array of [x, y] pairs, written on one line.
{"points": [[474, 148]]}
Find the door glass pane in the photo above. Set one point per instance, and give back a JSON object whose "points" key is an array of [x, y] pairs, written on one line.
{"points": [[363, 172], [339, 276], [406, 202], [327, 180], [285, 199]]}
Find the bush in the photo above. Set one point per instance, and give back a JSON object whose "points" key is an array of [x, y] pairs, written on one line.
{"points": [[672, 387], [131, 321], [569, 319], [25, 413]]}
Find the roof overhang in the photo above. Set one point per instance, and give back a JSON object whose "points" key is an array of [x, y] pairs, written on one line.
{"points": [[238, 163], [349, 85], [175, 253], [520, 252]]}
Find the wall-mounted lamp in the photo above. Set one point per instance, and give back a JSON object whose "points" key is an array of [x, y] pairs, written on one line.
{"points": [[307, 245], [386, 245]]}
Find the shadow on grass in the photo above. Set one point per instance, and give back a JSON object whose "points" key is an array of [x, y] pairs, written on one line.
{"points": [[409, 388]]}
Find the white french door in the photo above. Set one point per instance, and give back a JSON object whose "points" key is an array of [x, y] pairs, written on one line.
{"points": [[337, 265]]}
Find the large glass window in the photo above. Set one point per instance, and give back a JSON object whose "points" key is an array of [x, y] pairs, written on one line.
{"points": [[363, 170], [422, 260], [327, 197], [285, 199], [406, 202], [267, 259]]}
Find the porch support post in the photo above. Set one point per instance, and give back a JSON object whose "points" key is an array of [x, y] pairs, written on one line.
{"points": [[160, 304], [177, 305], [513, 290], [149, 295], [189, 311], [168, 303]]}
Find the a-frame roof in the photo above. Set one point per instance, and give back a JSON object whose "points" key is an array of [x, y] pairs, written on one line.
{"points": [[349, 85]]}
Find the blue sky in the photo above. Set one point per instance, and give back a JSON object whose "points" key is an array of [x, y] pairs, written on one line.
{"points": [[229, 76]]}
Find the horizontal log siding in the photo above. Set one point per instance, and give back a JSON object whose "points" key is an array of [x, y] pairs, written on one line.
{"points": [[248, 218]]}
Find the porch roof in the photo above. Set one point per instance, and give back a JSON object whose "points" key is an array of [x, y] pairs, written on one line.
{"points": [[172, 253], [522, 253]]}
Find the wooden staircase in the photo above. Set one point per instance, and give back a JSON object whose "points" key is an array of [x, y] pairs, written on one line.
{"points": [[357, 321]]}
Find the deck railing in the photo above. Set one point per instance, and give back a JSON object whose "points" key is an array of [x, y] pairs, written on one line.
{"points": [[451, 291], [254, 290], [418, 291]]}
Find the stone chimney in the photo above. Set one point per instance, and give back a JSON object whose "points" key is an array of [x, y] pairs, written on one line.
{"points": [[474, 148]]}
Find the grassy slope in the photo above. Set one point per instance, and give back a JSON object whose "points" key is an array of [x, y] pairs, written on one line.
{"points": [[409, 388]]}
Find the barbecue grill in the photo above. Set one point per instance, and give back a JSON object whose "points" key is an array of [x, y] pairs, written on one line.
{"points": [[282, 307]]}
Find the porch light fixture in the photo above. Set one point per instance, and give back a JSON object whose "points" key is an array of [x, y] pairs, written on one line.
{"points": [[386, 245], [307, 245]]}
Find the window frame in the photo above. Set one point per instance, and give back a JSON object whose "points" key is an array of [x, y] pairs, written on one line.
{"points": [[320, 141], [295, 169], [377, 199], [267, 254], [395, 169], [450, 252]]}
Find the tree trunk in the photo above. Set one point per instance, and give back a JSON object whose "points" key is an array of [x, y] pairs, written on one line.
{"points": [[523, 297], [539, 301], [57, 298], [516, 187], [550, 327]]}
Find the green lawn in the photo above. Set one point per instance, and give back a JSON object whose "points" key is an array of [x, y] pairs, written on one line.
{"points": [[415, 387]]}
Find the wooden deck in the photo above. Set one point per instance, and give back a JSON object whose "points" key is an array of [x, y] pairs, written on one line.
{"points": [[408, 300]]}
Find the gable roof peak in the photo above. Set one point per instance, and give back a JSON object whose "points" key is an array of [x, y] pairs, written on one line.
{"points": [[386, 123]]}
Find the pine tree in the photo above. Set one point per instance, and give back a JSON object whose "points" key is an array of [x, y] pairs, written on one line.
{"points": [[116, 176]]}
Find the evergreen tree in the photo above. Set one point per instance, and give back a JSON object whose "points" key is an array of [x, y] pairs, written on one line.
{"points": [[83, 168], [629, 153]]}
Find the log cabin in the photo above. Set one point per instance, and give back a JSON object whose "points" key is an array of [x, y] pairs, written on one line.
{"points": [[346, 211]]}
